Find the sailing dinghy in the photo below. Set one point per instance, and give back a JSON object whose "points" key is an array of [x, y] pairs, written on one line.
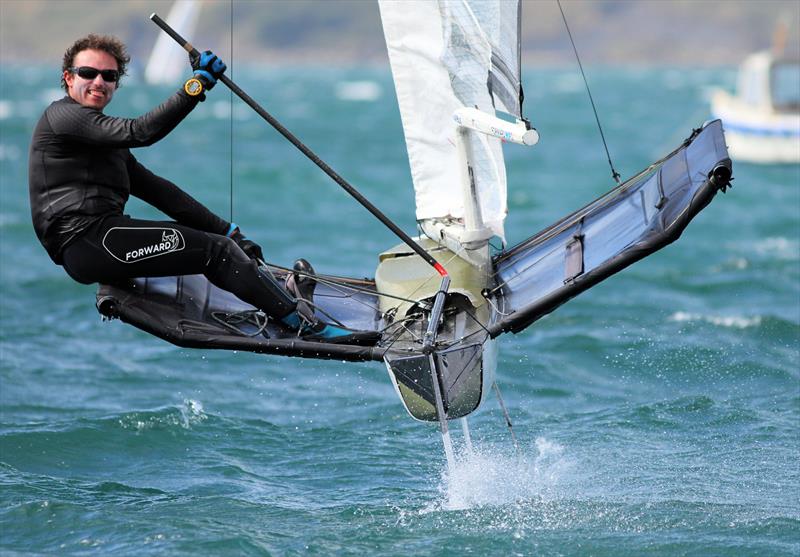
{"points": [[440, 301]]}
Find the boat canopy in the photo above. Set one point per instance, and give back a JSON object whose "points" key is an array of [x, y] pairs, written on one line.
{"points": [[785, 85], [766, 81]]}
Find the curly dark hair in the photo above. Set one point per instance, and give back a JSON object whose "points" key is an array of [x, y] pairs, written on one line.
{"points": [[106, 43]]}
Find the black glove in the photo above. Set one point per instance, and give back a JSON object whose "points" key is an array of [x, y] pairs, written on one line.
{"points": [[250, 248], [207, 68]]}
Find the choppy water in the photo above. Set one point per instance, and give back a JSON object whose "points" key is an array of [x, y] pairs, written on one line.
{"points": [[657, 414]]}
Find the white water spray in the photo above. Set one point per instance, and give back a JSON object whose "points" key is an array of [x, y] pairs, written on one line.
{"points": [[493, 476]]}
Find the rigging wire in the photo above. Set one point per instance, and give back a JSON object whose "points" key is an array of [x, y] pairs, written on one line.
{"points": [[614, 172], [341, 287], [230, 104]]}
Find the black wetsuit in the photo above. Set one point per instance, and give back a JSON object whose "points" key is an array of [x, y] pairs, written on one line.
{"points": [[81, 174]]}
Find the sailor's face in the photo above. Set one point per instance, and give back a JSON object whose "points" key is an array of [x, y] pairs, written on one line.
{"points": [[94, 93]]}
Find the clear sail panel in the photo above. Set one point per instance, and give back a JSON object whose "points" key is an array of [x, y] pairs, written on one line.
{"points": [[445, 55]]}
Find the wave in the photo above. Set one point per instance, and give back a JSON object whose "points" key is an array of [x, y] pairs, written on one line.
{"points": [[778, 246], [9, 153], [775, 247], [185, 416], [731, 321], [40, 443], [685, 412], [8, 220], [57, 490], [173, 428], [358, 91]]}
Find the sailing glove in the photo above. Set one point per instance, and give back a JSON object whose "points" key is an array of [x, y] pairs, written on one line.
{"points": [[207, 68], [249, 247]]}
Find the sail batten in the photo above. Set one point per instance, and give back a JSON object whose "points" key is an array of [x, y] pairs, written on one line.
{"points": [[445, 55]]}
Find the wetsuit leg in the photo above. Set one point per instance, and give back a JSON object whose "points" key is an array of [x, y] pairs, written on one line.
{"points": [[119, 248]]}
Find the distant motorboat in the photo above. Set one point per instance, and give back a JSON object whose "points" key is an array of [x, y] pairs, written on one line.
{"points": [[762, 120]]}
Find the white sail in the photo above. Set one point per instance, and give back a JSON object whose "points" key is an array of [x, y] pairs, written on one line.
{"points": [[445, 55], [167, 62]]}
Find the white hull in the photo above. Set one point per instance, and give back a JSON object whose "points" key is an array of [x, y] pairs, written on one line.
{"points": [[756, 133], [762, 124], [752, 147], [465, 357]]}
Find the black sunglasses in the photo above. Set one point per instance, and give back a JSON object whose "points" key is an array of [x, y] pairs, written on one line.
{"points": [[88, 72]]}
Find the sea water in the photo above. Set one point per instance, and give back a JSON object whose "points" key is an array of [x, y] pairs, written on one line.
{"points": [[657, 414]]}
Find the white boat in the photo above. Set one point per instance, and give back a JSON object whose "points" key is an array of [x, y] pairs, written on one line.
{"points": [[762, 120], [456, 68]]}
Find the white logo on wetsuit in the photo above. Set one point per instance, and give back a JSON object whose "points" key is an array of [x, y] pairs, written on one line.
{"points": [[153, 242], [169, 242]]}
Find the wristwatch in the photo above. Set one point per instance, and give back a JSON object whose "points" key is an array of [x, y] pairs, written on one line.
{"points": [[193, 87]]}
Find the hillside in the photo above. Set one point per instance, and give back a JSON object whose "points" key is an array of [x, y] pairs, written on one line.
{"points": [[677, 32]]}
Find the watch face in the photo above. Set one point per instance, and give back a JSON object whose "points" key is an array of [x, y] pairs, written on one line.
{"points": [[193, 86]]}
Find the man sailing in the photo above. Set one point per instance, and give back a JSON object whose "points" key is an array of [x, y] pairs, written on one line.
{"points": [[81, 173]]}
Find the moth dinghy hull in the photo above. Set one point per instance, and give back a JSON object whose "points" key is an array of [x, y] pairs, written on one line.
{"points": [[524, 283], [438, 302]]}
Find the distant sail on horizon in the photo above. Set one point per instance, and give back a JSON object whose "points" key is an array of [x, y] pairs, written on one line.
{"points": [[167, 62]]}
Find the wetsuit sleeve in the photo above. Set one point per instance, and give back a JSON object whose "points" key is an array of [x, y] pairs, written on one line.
{"points": [[83, 124], [172, 201]]}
